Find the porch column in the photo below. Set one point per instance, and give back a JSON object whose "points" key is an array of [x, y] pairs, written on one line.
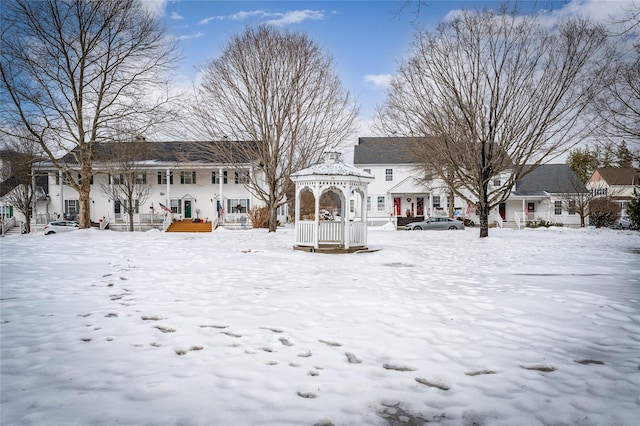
{"points": [[524, 210], [34, 212], [220, 185], [61, 175], [168, 200]]}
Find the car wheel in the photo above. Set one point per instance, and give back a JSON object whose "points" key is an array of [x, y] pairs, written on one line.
{"points": [[49, 233], [452, 228], [417, 228]]}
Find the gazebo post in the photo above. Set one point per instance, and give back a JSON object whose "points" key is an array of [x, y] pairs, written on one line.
{"points": [[347, 211], [316, 236]]}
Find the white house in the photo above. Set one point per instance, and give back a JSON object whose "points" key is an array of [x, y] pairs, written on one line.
{"points": [[616, 183], [179, 175], [399, 194]]}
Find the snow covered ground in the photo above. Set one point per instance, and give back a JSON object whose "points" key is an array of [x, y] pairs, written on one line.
{"points": [[532, 327]]}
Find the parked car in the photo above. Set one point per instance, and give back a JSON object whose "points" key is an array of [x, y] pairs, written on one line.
{"points": [[435, 223], [623, 223], [60, 226]]}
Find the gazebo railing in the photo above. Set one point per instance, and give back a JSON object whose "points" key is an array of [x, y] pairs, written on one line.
{"points": [[358, 231], [330, 232], [305, 232]]}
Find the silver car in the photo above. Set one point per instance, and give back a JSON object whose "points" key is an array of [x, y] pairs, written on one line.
{"points": [[435, 223], [60, 226], [623, 223]]}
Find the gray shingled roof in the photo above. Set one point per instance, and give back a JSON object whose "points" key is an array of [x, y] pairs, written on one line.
{"points": [[331, 164], [549, 178], [383, 150], [169, 152]]}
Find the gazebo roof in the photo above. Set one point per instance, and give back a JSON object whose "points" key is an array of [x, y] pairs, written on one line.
{"points": [[331, 165]]}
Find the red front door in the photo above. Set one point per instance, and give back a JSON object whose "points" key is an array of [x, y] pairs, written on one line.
{"points": [[396, 205]]}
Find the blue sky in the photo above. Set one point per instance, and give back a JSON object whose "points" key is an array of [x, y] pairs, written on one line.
{"points": [[367, 39]]}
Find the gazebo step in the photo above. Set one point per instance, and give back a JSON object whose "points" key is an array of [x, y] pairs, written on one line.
{"points": [[333, 249]]}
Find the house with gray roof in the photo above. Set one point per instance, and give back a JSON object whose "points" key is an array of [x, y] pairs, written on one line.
{"points": [[401, 194], [190, 179], [617, 183]]}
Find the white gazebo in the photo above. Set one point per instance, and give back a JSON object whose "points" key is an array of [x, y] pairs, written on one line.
{"points": [[331, 206]]}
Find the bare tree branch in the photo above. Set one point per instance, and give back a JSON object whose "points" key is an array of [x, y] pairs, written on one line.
{"points": [[490, 91], [279, 90], [73, 70]]}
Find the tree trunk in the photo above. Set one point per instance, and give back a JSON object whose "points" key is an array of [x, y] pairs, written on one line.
{"points": [[273, 218], [484, 218], [85, 212], [27, 222], [130, 213]]}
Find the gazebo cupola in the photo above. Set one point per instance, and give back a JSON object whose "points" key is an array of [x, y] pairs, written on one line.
{"points": [[331, 206]]}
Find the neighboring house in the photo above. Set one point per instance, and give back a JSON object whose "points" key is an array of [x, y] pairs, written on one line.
{"points": [[546, 193], [177, 175], [398, 194], [616, 183]]}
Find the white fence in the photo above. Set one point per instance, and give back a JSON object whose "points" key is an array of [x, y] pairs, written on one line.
{"points": [[330, 232]]}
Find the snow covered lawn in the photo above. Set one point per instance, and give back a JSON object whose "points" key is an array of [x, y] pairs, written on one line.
{"points": [[533, 327]]}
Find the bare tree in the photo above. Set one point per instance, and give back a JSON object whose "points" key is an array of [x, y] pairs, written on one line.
{"points": [[617, 105], [491, 91], [17, 177], [577, 198], [279, 90], [128, 184], [71, 70]]}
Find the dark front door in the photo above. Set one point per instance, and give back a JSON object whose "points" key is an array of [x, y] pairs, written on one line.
{"points": [[187, 209], [396, 206], [420, 206], [502, 209]]}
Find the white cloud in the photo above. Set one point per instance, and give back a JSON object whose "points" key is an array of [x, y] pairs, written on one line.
{"points": [[156, 7], [296, 17], [378, 81], [176, 16], [272, 18], [190, 37]]}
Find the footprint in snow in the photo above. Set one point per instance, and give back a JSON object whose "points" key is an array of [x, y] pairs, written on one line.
{"points": [[397, 367], [330, 343], [479, 372], [432, 384], [588, 361], [352, 358], [539, 367], [285, 341]]}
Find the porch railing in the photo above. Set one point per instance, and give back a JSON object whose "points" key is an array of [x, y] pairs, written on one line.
{"points": [[168, 218], [521, 219], [8, 224], [104, 222]]}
